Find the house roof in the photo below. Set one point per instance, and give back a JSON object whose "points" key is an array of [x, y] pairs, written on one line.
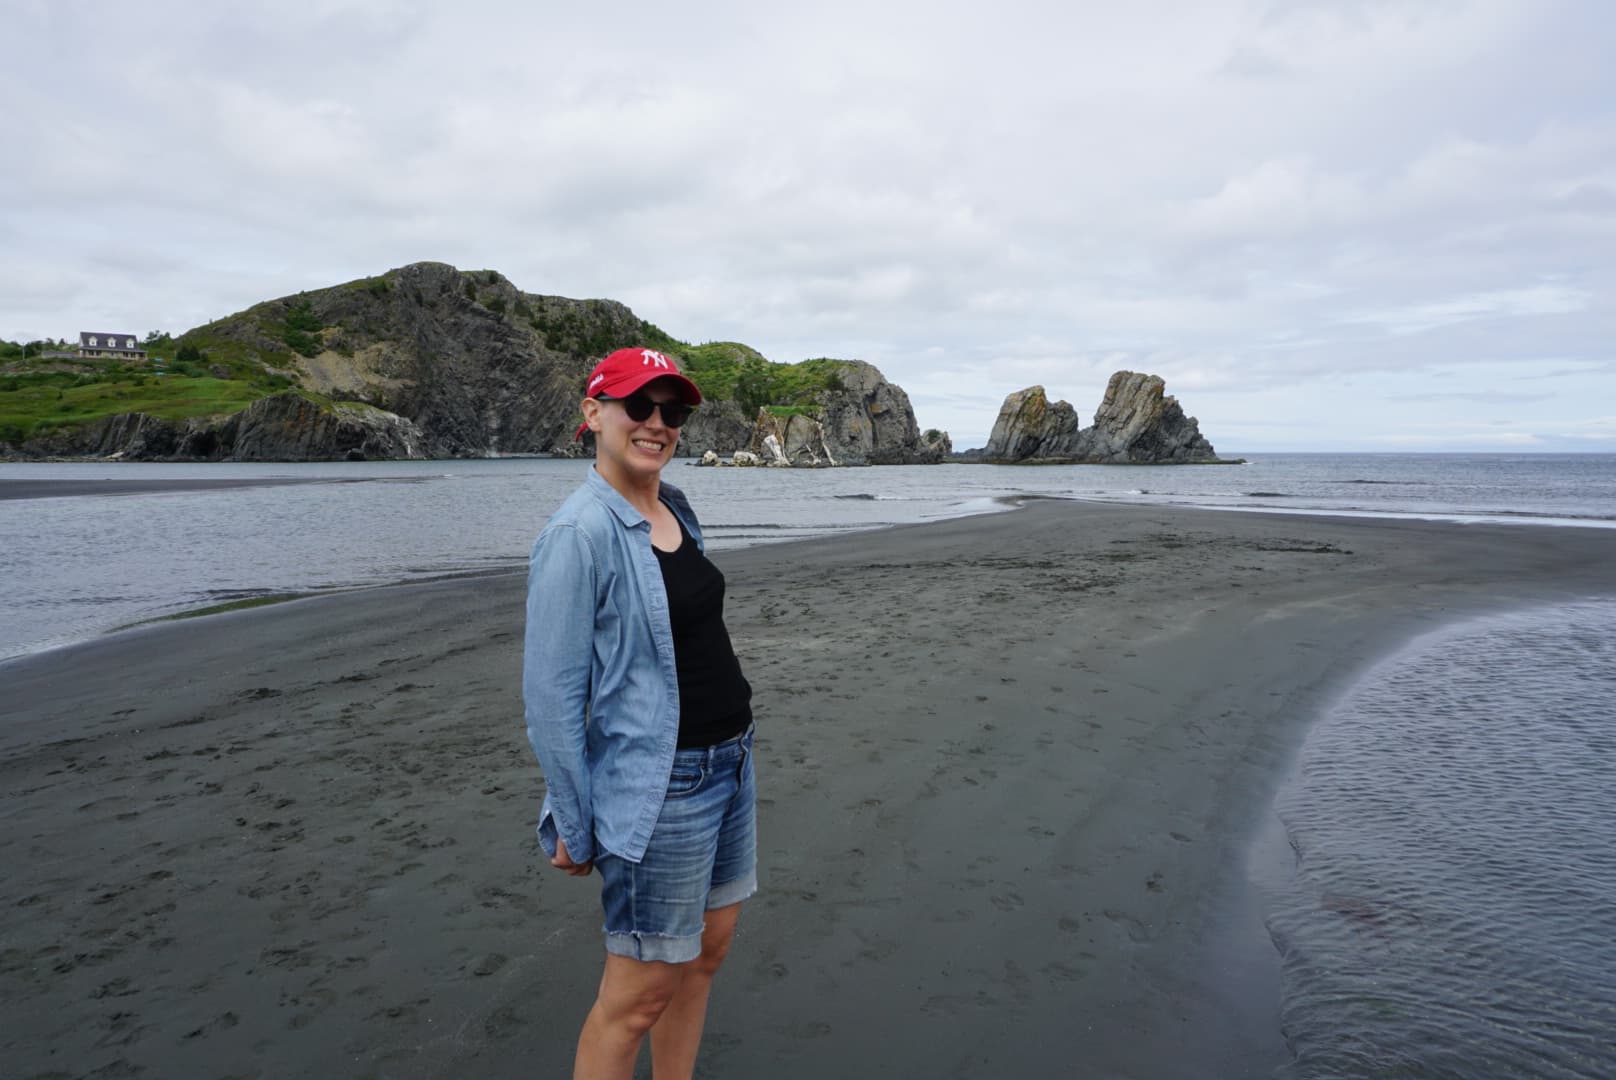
{"points": [[108, 341]]}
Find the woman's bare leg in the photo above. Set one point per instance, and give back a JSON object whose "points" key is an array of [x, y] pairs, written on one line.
{"points": [[676, 1037], [633, 996]]}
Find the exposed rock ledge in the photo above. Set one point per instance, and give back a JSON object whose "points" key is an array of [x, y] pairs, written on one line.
{"points": [[1136, 424], [283, 427]]}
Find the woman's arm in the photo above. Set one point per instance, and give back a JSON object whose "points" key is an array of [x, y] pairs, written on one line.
{"points": [[556, 671]]}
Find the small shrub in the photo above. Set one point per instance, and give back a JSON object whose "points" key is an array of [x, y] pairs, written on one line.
{"points": [[302, 317], [303, 342]]}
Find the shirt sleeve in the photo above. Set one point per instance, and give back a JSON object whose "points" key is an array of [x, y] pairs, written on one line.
{"points": [[557, 661]]}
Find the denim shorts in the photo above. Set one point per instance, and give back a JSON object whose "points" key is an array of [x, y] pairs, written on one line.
{"points": [[702, 856]]}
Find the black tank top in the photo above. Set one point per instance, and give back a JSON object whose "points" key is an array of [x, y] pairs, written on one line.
{"points": [[715, 700]]}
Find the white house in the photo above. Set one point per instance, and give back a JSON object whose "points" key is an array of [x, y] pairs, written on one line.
{"points": [[115, 346]]}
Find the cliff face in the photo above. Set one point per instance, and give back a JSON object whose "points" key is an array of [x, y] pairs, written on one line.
{"points": [[284, 427], [1135, 424], [287, 427], [869, 420]]}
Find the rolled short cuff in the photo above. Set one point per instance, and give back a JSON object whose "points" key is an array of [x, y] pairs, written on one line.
{"points": [[732, 892], [665, 948]]}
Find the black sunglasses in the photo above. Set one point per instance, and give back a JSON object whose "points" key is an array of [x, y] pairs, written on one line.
{"points": [[639, 407]]}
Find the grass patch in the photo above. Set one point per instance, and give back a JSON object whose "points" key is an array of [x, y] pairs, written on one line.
{"points": [[727, 369], [241, 360], [33, 404]]}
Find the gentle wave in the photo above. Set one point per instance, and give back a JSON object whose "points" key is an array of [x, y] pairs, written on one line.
{"points": [[1386, 483]]}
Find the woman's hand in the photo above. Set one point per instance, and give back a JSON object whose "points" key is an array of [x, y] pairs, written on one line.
{"points": [[562, 861]]}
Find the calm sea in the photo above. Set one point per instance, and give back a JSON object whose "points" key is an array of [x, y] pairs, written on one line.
{"points": [[1448, 911], [1451, 908], [74, 567]]}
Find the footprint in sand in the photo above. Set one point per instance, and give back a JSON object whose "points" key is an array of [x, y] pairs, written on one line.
{"points": [[489, 964]]}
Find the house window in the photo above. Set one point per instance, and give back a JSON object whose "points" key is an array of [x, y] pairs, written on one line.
{"points": [[92, 341]]}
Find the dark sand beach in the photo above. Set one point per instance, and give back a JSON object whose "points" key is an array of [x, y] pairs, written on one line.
{"points": [[1011, 769]]}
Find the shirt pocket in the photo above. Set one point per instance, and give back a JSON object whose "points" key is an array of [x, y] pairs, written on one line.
{"points": [[685, 780]]}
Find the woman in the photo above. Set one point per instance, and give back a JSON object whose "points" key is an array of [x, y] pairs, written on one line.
{"points": [[642, 722]]}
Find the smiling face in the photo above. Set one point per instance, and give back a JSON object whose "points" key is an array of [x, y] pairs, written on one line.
{"points": [[630, 453]]}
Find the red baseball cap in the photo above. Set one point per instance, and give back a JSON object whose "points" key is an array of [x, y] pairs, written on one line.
{"points": [[626, 370]]}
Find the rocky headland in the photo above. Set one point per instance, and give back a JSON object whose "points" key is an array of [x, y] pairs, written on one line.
{"points": [[861, 420], [1137, 423], [428, 361]]}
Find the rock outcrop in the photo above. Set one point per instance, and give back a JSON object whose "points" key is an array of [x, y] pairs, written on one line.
{"points": [[1136, 424], [288, 427], [867, 420], [935, 447], [799, 438], [129, 436], [1030, 428], [859, 418], [719, 425], [283, 427]]}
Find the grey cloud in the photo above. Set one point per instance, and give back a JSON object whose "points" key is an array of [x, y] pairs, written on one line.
{"points": [[1251, 199]]}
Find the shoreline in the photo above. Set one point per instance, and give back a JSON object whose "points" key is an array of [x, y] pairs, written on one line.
{"points": [[1011, 768], [69, 488], [1004, 503]]}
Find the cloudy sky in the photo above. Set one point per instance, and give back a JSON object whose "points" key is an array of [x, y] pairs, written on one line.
{"points": [[1328, 224]]}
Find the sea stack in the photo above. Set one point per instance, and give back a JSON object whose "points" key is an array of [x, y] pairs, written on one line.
{"points": [[1137, 423]]}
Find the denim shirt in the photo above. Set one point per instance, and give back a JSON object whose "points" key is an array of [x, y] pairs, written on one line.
{"points": [[599, 685]]}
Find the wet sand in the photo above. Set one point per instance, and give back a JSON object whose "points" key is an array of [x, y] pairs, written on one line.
{"points": [[1011, 769], [62, 488]]}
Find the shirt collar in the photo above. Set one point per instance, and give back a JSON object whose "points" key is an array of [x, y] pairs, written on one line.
{"points": [[614, 500]]}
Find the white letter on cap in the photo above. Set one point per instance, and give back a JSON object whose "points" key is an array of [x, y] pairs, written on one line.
{"points": [[651, 356]]}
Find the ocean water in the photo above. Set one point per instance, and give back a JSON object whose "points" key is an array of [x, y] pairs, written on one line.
{"points": [[1450, 905], [73, 567]]}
